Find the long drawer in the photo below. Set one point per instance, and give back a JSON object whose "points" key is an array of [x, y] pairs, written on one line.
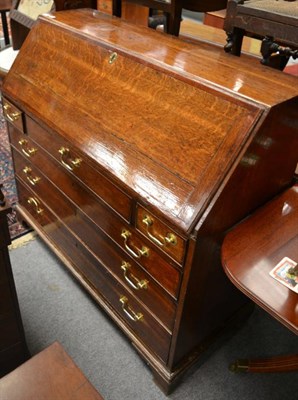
{"points": [[76, 164], [134, 314], [80, 167], [157, 266], [136, 279]]}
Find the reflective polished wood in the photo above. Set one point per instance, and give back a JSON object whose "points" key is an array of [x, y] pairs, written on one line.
{"points": [[134, 152], [252, 249], [249, 252]]}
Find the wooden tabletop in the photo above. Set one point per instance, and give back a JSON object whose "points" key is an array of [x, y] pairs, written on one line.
{"points": [[49, 375], [254, 247]]}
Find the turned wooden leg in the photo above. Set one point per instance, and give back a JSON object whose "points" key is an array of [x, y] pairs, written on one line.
{"points": [[272, 364], [274, 55], [234, 41]]}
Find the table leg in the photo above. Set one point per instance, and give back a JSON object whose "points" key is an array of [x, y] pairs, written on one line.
{"points": [[272, 364], [5, 26]]}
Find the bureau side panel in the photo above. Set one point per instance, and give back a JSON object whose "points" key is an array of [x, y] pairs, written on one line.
{"points": [[265, 169]]}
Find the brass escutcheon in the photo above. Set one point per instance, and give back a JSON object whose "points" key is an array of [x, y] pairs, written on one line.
{"points": [[113, 57]]}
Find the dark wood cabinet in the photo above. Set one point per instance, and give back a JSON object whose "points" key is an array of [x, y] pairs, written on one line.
{"points": [[21, 23], [13, 348], [134, 152]]}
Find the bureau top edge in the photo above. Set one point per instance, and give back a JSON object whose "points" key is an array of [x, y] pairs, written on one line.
{"points": [[202, 63]]}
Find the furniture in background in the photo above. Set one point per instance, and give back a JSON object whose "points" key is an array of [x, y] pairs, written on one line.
{"points": [[5, 6], [275, 22], [51, 374], [135, 206], [249, 252], [13, 348], [22, 22], [172, 10], [215, 18], [131, 12]]}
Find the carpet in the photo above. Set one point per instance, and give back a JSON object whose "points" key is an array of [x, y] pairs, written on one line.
{"points": [[55, 307], [16, 228]]}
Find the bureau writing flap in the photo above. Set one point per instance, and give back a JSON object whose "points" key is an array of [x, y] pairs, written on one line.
{"points": [[136, 103]]}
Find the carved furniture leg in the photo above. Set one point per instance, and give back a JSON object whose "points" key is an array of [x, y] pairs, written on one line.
{"points": [[272, 364], [234, 41], [274, 55], [157, 20]]}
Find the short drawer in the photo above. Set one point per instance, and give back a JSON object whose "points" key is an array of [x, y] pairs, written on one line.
{"points": [[160, 234], [165, 274], [98, 279], [13, 115], [74, 163]]}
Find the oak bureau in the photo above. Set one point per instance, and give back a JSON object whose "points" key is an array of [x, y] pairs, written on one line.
{"points": [[134, 152]]}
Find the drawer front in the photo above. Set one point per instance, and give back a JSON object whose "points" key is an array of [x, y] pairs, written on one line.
{"points": [[167, 276], [137, 282], [142, 251], [13, 115], [136, 279], [161, 235], [38, 210], [133, 313], [76, 165]]}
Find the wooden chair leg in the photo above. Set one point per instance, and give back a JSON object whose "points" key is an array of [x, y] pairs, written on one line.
{"points": [[5, 27], [272, 364], [234, 41], [174, 19], [117, 8], [274, 55]]}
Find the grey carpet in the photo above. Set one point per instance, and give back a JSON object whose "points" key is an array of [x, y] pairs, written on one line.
{"points": [[54, 307]]}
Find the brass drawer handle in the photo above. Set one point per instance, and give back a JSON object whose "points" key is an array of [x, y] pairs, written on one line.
{"points": [[11, 116], [160, 241], [133, 250], [34, 202], [70, 164], [132, 280], [33, 180], [128, 311], [24, 145]]}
